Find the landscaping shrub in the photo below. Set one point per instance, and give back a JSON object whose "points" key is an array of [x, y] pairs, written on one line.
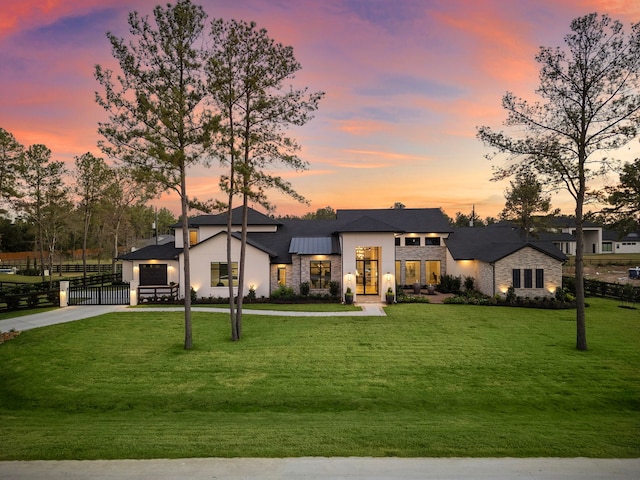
{"points": [[449, 284], [283, 293], [304, 289], [469, 283], [334, 288]]}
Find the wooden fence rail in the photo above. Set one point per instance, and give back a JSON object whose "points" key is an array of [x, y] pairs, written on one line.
{"points": [[625, 292]]}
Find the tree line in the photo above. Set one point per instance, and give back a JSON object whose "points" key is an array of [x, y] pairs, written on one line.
{"points": [[48, 208]]}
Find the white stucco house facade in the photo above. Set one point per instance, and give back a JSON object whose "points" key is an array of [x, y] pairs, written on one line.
{"points": [[368, 251]]}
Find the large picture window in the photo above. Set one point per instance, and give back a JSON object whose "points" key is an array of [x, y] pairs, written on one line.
{"points": [[220, 274], [320, 273], [432, 271], [412, 272]]}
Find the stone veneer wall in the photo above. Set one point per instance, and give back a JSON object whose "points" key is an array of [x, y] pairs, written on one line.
{"points": [[273, 276], [299, 271], [529, 258], [422, 254], [484, 279]]}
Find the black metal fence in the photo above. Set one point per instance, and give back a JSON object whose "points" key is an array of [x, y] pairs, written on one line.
{"points": [[99, 295], [20, 296]]}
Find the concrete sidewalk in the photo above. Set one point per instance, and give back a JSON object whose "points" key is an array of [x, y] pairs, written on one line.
{"points": [[319, 468], [71, 314]]}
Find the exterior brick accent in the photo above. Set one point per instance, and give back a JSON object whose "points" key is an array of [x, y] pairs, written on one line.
{"points": [[421, 254], [529, 258], [299, 271]]}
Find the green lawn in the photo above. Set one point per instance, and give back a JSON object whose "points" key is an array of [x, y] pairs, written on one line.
{"points": [[428, 380]]}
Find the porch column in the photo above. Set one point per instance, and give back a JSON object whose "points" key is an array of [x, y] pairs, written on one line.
{"points": [[64, 293], [133, 293]]}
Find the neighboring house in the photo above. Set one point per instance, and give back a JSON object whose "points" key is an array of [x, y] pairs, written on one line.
{"points": [[592, 233], [597, 240], [612, 242], [367, 250]]}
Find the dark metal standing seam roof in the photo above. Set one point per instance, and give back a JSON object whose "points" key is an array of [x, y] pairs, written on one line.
{"points": [[311, 246]]}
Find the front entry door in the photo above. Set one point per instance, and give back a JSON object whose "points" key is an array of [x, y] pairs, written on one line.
{"points": [[367, 279]]}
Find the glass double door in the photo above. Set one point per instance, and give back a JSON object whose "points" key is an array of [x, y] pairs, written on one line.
{"points": [[367, 279]]}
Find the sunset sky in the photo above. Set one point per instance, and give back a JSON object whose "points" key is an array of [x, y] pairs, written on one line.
{"points": [[406, 81]]}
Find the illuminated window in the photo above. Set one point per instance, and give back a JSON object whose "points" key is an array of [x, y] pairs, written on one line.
{"points": [[220, 274], [432, 271], [193, 237], [320, 273], [282, 276], [412, 271]]}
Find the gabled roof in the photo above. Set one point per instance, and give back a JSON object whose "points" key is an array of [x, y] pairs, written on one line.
{"points": [[417, 220], [254, 218], [167, 251], [492, 243]]}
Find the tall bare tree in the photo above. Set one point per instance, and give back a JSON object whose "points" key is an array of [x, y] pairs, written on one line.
{"points": [[590, 93], [157, 121], [248, 83]]}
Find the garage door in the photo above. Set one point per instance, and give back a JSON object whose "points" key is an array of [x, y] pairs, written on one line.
{"points": [[153, 274]]}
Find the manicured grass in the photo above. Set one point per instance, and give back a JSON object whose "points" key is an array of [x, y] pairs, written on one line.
{"points": [[428, 380]]}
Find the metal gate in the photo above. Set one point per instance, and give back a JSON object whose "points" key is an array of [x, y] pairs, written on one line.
{"points": [[99, 295]]}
